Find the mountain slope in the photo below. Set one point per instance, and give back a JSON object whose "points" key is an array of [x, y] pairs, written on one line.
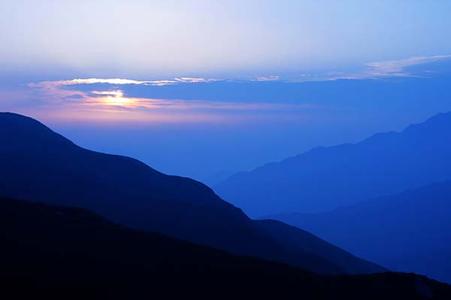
{"points": [[302, 241], [325, 178], [53, 252], [407, 232], [39, 165]]}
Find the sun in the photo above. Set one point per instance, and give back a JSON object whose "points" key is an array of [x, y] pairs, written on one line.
{"points": [[115, 98]]}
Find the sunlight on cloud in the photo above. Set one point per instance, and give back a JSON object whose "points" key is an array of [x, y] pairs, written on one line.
{"points": [[98, 80], [120, 81], [114, 98], [64, 99]]}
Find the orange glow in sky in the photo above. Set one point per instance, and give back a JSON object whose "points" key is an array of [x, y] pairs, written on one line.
{"points": [[115, 98], [63, 100]]}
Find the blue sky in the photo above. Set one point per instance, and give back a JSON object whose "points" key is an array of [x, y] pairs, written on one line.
{"points": [[201, 88], [153, 39]]}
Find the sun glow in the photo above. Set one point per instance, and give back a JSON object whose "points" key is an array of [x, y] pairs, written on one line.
{"points": [[115, 98], [115, 104]]}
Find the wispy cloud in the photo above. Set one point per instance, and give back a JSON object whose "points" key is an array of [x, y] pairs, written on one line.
{"points": [[378, 70], [400, 67], [390, 68], [109, 96], [113, 100], [119, 81], [194, 80], [178, 80], [268, 78], [115, 81]]}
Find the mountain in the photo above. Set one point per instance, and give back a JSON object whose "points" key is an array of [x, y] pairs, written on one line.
{"points": [[407, 232], [325, 178], [51, 252], [302, 241], [37, 164]]}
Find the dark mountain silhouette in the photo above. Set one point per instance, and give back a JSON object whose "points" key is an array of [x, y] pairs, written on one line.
{"points": [[302, 241], [409, 232], [326, 178], [51, 252], [39, 165]]}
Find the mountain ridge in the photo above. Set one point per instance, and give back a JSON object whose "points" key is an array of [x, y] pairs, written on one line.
{"points": [[38, 165], [406, 232], [53, 252], [327, 177]]}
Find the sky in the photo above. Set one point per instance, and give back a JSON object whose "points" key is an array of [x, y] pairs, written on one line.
{"points": [[148, 39], [208, 88]]}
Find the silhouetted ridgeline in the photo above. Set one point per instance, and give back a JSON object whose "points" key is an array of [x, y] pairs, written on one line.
{"points": [[51, 252], [39, 165], [407, 232], [326, 178]]}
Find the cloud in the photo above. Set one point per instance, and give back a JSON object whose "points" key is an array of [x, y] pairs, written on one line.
{"points": [[67, 96], [119, 81], [115, 93], [115, 81], [390, 68], [377, 70], [178, 80], [268, 78], [194, 80], [57, 84], [163, 82], [371, 70], [399, 67]]}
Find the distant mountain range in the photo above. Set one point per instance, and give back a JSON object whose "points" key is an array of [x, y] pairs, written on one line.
{"points": [[39, 165], [326, 178], [52, 252], [409, 231]]}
